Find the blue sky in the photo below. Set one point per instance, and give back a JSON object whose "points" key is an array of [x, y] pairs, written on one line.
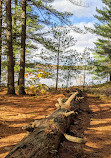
{"points": [[83, 13]]}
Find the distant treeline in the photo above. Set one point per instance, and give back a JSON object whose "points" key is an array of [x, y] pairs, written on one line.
{"points": [[62, 67]]}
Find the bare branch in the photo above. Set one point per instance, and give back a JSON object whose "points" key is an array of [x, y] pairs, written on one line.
{"points": [[66, 105], [58, 106], [60, 101], [73, 96], [74, 139], [69, 113]]}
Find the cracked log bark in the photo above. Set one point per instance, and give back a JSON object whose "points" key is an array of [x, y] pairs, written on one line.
{"points": [[45, 135]]}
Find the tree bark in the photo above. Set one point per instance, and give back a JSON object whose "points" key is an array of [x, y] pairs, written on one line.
{"points": [[15, 23], [58, 53], [45, 135], [0, 36], [57, 77], [22, 58], [10, 60], [14, 28], [109, 77]]}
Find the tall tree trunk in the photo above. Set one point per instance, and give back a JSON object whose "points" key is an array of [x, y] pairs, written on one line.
{"points": [[0, 36], [22, 58], [110, 77], [58, 53], [15, 28], [10, 61], [57, 71], [68, 76], [15, 22]]}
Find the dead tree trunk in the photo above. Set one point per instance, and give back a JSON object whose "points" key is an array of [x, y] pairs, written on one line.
{"points": [[45, 135]]}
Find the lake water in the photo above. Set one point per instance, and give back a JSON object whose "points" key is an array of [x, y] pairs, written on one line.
{"points": [[66, 78], [76, 79]]}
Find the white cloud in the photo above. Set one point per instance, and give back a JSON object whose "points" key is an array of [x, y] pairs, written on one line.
{"points": [[66, 5], [84, 40], [84, 14]]}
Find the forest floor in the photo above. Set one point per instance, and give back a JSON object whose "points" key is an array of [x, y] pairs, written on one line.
{"points": [[18, 111]]}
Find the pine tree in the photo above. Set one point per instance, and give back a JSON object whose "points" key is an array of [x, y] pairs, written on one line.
{"points": [[62, 42], [103, 44]]}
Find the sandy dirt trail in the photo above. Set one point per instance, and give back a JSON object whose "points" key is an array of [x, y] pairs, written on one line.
{"points": [[98, 134], [95, 127]]}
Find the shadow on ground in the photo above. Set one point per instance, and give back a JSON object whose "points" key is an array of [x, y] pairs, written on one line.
{"points": [[94, 124], [18, 111], [98, 134]]}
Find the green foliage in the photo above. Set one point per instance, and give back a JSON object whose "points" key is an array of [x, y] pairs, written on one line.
{"points": [[4, 64], [102, 64], [16, 68], [39, 2]]}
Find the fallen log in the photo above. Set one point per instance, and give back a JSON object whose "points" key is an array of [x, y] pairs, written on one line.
{"points": [[45, 135]]}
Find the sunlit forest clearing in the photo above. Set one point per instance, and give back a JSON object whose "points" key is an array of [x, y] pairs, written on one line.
{"points": [[55, 79]]}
